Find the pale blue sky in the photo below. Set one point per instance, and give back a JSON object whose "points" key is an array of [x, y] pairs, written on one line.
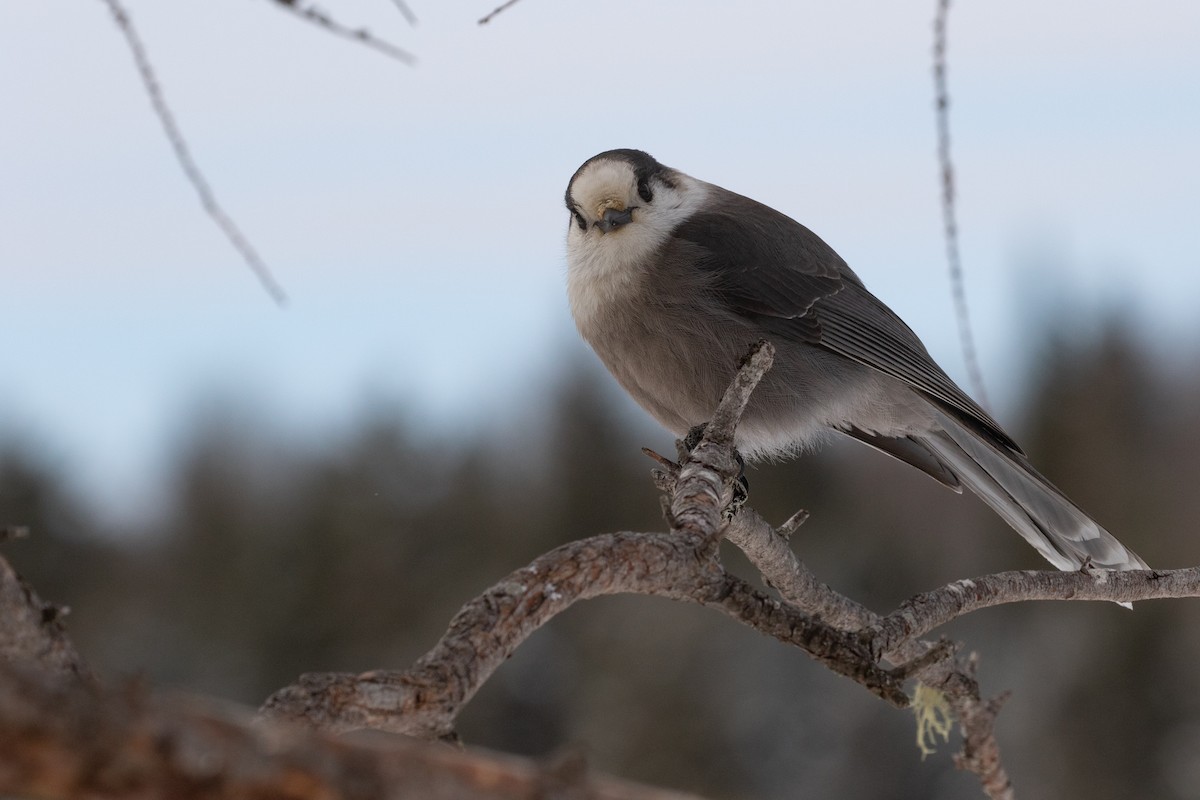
{"points": [[408, 209]]}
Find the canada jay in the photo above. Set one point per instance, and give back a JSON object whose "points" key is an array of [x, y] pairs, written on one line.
{"points": [[671, 279]]}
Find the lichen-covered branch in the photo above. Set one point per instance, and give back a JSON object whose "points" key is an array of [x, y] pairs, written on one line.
{"points": [[783, 570]]}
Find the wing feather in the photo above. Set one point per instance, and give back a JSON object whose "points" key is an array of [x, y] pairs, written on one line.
{"points": [[768, 267]]}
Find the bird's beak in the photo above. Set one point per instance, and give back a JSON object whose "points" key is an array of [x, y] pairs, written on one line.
{"points": [[612, 219]]}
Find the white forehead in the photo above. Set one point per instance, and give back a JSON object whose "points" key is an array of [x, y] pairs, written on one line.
{"points": [[603, 180]]}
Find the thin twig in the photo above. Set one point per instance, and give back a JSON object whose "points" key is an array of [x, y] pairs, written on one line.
{"points": [[659, 459], [406, 12], [184, 157], [495, 11], [792, 524], [977, 722], [957, 285], [319, 18]]}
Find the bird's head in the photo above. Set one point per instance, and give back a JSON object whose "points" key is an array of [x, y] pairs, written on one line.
{"points": [[624, 204]]}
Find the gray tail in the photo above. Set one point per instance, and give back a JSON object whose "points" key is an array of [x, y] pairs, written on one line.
{"points": [[1004, 479]]}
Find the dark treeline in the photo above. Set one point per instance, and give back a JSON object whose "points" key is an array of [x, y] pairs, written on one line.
{"points": [[273, 560]]}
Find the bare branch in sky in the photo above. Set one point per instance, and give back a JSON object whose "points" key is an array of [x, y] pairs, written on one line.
{"points": [[184, 156], [315, 16], [496, 11], [950, 222]]}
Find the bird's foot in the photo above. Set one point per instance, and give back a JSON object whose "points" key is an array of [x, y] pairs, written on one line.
{"points": [[741, 491], [691, 439]]}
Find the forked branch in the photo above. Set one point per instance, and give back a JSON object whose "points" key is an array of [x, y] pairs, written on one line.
{"points": [[879, 652], [683, 565]]}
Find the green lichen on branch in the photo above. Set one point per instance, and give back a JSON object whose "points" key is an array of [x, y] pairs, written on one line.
{"points": [[934, 718]]}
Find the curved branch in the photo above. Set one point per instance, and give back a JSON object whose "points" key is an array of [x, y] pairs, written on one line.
{"points": [[425, 700], [682, 565], [926, 611]]}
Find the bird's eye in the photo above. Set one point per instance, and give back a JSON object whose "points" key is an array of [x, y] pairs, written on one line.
{"points": [[644, 191]]}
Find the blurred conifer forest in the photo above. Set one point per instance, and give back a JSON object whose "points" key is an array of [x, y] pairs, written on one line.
{"points": [[275, 559]]}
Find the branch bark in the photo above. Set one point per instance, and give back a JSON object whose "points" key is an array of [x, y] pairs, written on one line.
{"points": [[782, 569], [32, 632], [930, 610], [67, 741]]}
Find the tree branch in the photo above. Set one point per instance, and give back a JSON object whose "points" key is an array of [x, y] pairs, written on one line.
{"points": [[425, 700], [929, 610], [63, 742], [484, 20], [63, 737], [32, 631], [782, 569], [958, 287], [317, 17], [406, 12], [682, 565], [183, 155], [703, 487], [842, 634]]}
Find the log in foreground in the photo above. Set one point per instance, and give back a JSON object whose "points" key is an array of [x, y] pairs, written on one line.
{"points": [[64, 740]]}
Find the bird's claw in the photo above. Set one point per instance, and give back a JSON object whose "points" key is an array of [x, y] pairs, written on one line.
{"points": [[741, 494]]}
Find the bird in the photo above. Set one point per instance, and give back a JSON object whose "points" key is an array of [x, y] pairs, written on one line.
{"points": [[671, 278]]}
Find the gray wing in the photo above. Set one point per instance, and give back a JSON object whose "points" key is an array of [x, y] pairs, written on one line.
{"points": [[770, 268]]}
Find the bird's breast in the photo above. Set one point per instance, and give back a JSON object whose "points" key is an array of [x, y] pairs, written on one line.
{"points": [[654, 339]]}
